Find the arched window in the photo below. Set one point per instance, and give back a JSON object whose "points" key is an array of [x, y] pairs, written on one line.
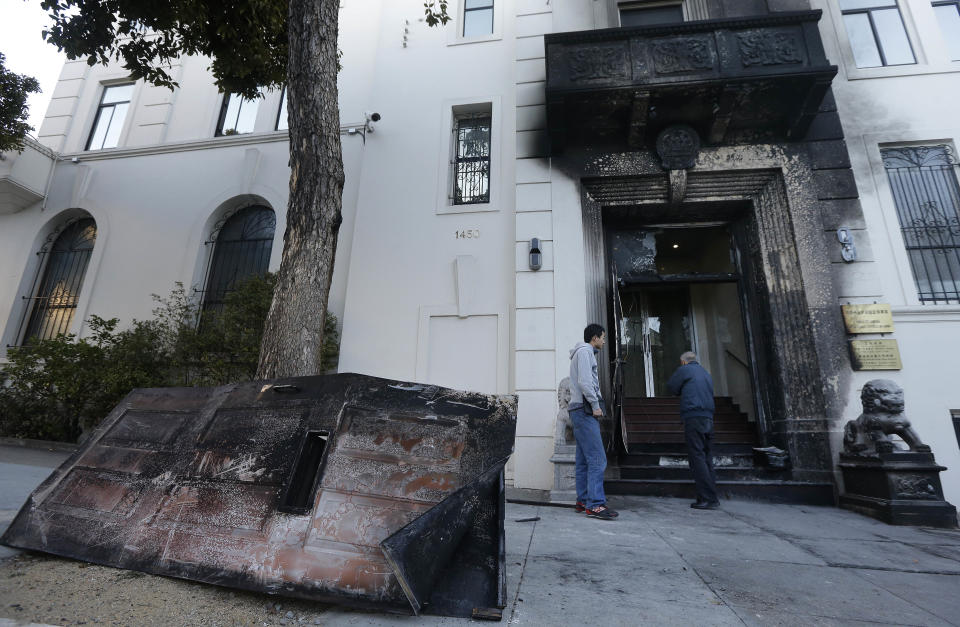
{"points": [[241, 249], [63, 265]]}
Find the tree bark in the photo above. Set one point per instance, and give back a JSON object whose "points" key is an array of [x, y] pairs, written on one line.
{"points": [[293, 333]]}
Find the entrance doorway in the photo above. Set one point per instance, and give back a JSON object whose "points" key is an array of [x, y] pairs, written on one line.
{"points": [[678, 289]]}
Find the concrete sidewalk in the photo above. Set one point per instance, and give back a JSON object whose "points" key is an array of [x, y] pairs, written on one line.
{"points": [[660, 563]]}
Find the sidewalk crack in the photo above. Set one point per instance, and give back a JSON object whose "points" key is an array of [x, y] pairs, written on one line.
{"points": [[696, 572], [523, 572]]}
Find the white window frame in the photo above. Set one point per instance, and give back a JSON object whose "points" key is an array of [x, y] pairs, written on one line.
{"points": [[887, 208], [456, 38], [102, 87], [923, 30]]}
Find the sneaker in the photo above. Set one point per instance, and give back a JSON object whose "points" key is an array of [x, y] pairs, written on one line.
{"points": [[602, 512], [705, 505], [580, 507]]}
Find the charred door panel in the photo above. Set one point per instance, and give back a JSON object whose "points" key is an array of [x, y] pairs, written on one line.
{"points": [[189, 482]]}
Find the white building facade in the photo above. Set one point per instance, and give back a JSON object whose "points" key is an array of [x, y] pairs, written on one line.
{"points": [[433, 279]]}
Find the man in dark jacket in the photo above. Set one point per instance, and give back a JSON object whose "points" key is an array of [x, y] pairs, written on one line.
{"points": [[694, 386]]}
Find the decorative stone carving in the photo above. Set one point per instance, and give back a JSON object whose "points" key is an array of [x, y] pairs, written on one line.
{"points": [[678, 187], [914, 487], [678, 147], [598, 63], [898, 486], [882, 417], [764, 47], [683, 54]]}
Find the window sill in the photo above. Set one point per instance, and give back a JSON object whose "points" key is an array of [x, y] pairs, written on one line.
{"points": [[926, 313], [480, 207], [916, 69], [460, 41]]}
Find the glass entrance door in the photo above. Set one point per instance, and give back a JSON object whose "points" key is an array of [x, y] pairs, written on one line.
{"points": [[678, 291], [657, 327]]}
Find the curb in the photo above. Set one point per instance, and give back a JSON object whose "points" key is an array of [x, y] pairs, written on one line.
{"points": [[43, 445]]}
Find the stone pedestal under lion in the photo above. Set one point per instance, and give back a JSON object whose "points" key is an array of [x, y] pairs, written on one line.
{"points": [[881, 478]]}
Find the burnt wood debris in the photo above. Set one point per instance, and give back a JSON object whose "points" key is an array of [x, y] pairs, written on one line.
{"points": [[341, 488]]}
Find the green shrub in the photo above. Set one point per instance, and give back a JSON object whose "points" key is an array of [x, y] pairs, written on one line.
{"points": [[57, 389]]}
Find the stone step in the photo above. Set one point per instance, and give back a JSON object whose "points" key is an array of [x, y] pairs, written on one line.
{"points": [[769, 490], [674, 437], [731, 473], [669, 448], [672, 425]]}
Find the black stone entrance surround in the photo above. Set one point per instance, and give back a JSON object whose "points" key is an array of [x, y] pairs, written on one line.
{"points": [[795, 322], [756, 91]]}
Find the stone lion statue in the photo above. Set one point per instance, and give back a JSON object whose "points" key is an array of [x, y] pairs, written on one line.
{"points": [[882, 417], [564, 432]]}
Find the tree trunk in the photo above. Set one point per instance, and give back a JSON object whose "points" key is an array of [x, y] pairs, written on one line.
{"points": [[293, 333]]}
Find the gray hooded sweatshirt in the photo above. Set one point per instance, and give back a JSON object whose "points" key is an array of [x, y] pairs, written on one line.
{"points": [[584, 380]]}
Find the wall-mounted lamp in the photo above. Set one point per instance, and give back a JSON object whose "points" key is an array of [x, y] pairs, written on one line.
{"points": [[848, 251], [536, 257]]}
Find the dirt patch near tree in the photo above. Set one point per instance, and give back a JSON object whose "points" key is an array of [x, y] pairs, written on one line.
{"points": [[37, 588]]}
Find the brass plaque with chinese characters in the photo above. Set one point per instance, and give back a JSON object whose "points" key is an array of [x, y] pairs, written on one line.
{"points": [[875, 355], [875, 318]]}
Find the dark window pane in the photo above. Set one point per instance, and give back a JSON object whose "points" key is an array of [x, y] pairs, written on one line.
{"points": [[477, 23], [282, 116], [865, 51], [66, 261], [949, 17], [241, 250], [472, 162], [646, 16], [893, 37]]}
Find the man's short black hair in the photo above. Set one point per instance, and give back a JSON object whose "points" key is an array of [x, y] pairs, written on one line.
{"points": [[592, 331]]}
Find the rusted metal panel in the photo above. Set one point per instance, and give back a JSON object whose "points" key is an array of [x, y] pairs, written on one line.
{"points": [[292, 487]]}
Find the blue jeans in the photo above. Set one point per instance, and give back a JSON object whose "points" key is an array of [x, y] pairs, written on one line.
{"points": [[591, 458]]}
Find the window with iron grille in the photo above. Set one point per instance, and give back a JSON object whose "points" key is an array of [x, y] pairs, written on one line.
{"points": [[471, 165], [63, 265], [923, 180], [477, 18], [237, 115], [876, 32], [948, 14], [110, 116], [241, 250]]}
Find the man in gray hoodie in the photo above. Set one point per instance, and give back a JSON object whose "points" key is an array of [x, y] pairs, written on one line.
{"points": [[586, 408]]}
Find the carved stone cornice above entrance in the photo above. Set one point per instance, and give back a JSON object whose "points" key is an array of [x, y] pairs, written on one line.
{"points": [[741, 80]]}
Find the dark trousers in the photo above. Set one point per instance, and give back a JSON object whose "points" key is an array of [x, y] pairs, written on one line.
{"points": [[698, 432]]}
